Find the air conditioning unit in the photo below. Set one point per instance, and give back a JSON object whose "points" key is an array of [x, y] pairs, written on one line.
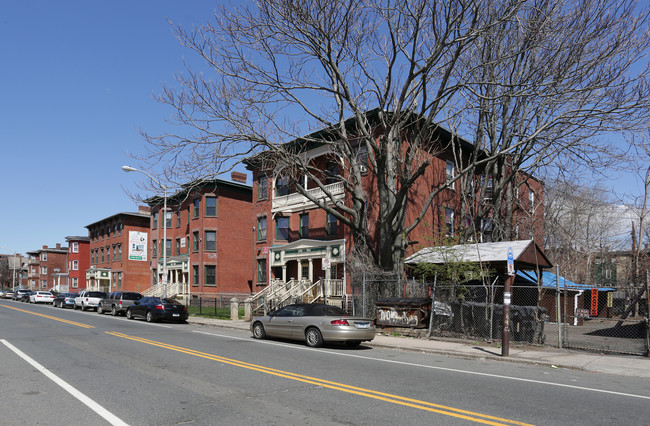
{"points": [[363, 168]]}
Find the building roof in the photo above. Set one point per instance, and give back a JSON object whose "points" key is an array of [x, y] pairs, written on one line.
{"points": [[526, 254], [142, 215], [550, 280], [77, 238], [196, 186]]}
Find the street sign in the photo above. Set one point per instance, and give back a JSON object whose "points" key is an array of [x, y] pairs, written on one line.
{"points": [[511, 262], [326, 263]]}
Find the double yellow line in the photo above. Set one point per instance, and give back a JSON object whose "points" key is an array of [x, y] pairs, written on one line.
{"points": [[382, 396], [78, 324]]}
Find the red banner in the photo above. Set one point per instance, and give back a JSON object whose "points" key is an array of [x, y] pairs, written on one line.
{"points": [[594, 302]]}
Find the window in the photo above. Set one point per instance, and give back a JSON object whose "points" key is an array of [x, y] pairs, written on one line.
{"points": [[210, 240], [486, 230], [304, 226], [154, 248], [262, 187], [282, 186], [211, 206], [43, 270], [154, 219], [114, 253], [362, 157], [332, 223], [450, 173], [261, 270], [75, 265], [168, 219], [178, 246], [487, 186], [75, 282], [449, 222], [195, 241], [210, 275], [75, 247], [168, 247], [531, 201], [197, 204], [178, 219], [195, 274], [43, 283], [331, 172], [119, 252], [261, 228], [102, 252], [282, 228], [119, 279], [44, 257]]}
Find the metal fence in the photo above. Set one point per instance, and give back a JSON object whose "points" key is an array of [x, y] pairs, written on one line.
{"points": [[215, 306], [604, 320]]}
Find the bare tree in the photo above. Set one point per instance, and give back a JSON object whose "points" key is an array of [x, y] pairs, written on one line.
{"points": [[545, 85], [531, 80]]}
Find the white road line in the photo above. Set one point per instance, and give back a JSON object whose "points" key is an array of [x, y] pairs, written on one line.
{"points": [[104, 413], [432, 367]]}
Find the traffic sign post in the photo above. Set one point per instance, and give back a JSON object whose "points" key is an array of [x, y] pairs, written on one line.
{"points": [[507, 296]]}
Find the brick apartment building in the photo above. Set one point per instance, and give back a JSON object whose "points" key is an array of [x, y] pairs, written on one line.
{"points": [[294, 237], [209, 238], [118, 252], [47, 268], [78, 262]]}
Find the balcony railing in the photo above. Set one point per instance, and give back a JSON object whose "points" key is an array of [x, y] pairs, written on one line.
{"points": [[296, 201]]}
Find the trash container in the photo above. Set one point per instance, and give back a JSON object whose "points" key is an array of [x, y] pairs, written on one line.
{"points": [[403, 312]]}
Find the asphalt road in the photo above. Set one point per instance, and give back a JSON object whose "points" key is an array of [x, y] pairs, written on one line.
{"points": [[71, 367]]}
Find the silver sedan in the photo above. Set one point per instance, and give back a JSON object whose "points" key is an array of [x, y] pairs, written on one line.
{"points": [[315, 323]]}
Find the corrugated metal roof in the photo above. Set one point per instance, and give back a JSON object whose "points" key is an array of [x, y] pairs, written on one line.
{"points": [[481, 252], [549, 280]]}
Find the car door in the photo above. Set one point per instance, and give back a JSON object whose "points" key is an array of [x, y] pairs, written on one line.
{"points": [[138, 309], [281, 322]]}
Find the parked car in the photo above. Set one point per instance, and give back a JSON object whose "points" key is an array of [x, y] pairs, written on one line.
{"points": [[24, 297], [64, 300], [9, 294], [41, 297], [315, 323], [117, 301], [88, 299], [18, 295], [155, 309]]}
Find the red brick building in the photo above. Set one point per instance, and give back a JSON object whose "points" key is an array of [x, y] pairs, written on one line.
{"points": [[209, 238], [119, 252], [78, 262], [47, 268], [299, 245]]}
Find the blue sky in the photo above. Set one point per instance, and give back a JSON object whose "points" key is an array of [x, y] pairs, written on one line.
{"points": [[77, 83]]}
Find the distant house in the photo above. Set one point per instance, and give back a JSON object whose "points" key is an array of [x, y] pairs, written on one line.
{"points": [[47, 267], [78, 262]]}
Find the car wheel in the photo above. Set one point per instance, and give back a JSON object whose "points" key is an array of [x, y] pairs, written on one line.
{"points": [[83, 307], [258, 331], [129, 315], [313, 338], [149, 316], [113, 311], [353, 343], [100, 310]]}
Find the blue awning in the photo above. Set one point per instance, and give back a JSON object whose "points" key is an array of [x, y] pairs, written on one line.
{"points": [[549, 281]]}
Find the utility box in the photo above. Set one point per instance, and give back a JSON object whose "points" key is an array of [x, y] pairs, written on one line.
{"points": [[403, 312]]}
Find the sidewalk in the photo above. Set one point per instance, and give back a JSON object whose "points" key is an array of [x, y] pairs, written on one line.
{"points": [[551, 357]]}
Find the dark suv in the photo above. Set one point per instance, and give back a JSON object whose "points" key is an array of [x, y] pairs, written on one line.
{"points": [[117, 301]]}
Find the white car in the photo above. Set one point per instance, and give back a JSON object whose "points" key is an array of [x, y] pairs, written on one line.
{"points": [[41, 297], [88, 300]]}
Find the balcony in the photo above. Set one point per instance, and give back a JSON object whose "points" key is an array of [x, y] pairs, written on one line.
{"points": [[297, 202]]}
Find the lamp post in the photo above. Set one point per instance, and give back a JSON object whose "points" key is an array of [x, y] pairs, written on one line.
{"points": [[164, 245]]}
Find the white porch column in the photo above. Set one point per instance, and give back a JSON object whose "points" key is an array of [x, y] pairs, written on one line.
{"points": [[311, 270], [284, 273], [299, 269]]}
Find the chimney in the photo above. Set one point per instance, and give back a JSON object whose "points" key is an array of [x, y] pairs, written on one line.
{"points": [[144, 209], [58, 246], [238, 177]]}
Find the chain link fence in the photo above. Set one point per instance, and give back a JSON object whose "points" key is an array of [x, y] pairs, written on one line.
{"points": [[604, 320]]}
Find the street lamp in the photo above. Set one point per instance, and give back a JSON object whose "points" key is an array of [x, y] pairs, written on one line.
{"points": [[164, 188]]}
